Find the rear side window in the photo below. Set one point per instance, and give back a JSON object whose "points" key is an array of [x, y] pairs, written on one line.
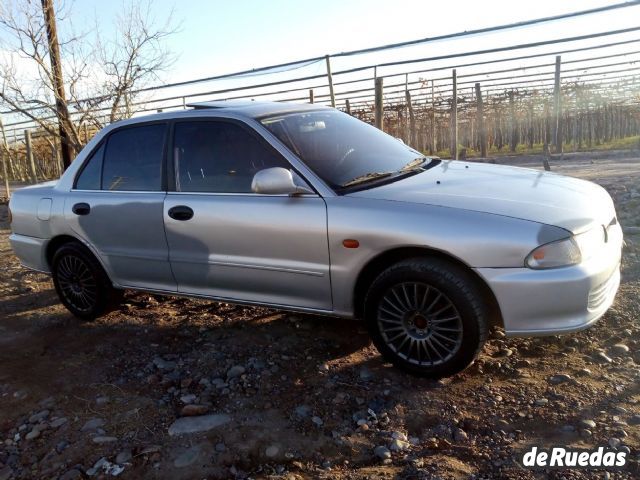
{"points": [[90, 177], [133, 159], [219, 157]]}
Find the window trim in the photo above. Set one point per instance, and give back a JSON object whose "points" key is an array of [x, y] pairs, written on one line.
{"points": [[171, 166], [104, 141]]}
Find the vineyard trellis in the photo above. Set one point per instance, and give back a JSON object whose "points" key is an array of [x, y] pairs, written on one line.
{"points": [[548, 101]]}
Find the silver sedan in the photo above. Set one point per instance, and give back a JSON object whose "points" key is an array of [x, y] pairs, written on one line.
{"points": [[308, 209]]}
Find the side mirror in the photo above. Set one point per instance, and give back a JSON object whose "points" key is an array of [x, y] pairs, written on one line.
{"points": [[276, 181]]}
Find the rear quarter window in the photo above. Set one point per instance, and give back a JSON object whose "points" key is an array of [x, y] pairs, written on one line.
{"points": [[90, 177]]}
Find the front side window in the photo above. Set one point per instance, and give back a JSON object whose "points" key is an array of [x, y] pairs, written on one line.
{"points": [[343, 150], [133, 159], [219, 157]]}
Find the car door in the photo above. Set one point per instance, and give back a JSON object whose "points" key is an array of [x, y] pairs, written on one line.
{"points": [[230, 243], [116, 206]]}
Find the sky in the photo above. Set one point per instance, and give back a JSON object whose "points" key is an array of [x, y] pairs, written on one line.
{"points": [[219, 36], [222, 36]]}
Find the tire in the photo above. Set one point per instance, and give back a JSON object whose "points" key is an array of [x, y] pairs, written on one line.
{"points": [[427, 316], [81, 283]]}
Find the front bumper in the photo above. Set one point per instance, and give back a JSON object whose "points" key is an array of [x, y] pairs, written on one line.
{"points": [[556, 301]]}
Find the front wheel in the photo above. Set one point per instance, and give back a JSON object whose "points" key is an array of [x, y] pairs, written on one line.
{"points": [[426, 316], [82, 285]]}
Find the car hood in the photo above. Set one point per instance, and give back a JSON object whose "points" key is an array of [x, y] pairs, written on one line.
{"points": [[543, 197]]}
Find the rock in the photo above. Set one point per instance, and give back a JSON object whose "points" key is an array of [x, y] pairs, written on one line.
{"points": [[60, 446], [124, 456], [541, 402], [220, 447], [382, 452], [272, 451], [584, 372], [324, 368], [302, 411], [193, 410], [202, 423], [162, 364], [601, 357], [586, 423], [635, 420], [100, 439], [619, 350], [58, 422], [398, 445], [38, 417], [92, 424], [187, 457], [460, 435], [317, 421], [35, 433], [186, 399], [235, 371], [365, 374], [560, 378], [615, 442]]}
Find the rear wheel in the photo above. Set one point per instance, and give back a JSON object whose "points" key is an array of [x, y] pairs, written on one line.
{"points": [[426, 316], [82, 285]]}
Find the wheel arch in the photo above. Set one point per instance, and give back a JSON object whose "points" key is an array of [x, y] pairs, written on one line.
{"points": [[379, 263], [55, 243]]}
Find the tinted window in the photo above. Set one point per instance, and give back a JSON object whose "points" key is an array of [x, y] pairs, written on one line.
{"points": [[219, 157], [133, 159], [89, 178]]}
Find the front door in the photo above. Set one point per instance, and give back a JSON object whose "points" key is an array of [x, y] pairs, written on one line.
{"points": [[227, 242], [116, 206]]}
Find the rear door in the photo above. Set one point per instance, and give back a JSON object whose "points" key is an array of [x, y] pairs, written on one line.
{"points": [[116, 206], [228, 242]]}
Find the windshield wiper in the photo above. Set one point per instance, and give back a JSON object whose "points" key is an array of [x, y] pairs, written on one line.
{"points": [[413, 164], [366, 178]]}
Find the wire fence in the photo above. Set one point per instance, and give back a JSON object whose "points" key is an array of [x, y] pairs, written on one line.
{"points": [[563, 93]]}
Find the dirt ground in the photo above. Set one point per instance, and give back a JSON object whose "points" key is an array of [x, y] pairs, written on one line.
{"points": [[296, 396]]}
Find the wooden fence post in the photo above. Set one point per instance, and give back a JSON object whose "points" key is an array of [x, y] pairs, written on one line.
{"points": [[6, 157], [434, 141], [311, 95], [379, 107], [348, 106], [330, 78], [513, 142], [32, 165], [454, 118], [557, 108], [482, 133], [412, 121]]}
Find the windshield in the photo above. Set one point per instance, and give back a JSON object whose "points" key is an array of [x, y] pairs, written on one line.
{"points": [[343, 150]]}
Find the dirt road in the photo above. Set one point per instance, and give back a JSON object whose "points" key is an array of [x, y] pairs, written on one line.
{"points": [[294, 396]]}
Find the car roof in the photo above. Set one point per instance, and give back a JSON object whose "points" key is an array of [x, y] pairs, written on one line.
{"points": [[244, 108], [253, 109]]}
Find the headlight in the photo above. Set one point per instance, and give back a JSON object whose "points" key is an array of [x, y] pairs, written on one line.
{"points": [[591, 242], [561, 253]]}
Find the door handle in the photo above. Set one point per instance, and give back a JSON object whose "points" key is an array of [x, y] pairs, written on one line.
{"points": [[81, 208], [181, 212]]}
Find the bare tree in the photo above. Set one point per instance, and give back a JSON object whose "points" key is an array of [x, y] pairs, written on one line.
{"points": [[102, 76]]}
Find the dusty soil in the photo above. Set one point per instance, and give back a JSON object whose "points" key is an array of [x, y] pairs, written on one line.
{"points": [[313, 398]]}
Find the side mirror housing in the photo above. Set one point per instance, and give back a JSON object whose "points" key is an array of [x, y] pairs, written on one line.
{"points": [[276, 181]]}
